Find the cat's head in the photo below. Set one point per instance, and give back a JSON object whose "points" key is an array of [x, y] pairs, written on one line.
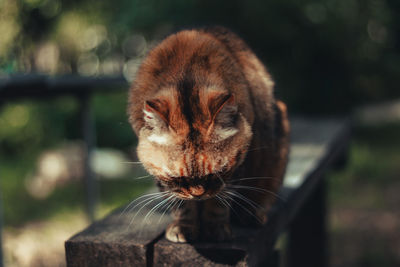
{"points": [[193, 143]]}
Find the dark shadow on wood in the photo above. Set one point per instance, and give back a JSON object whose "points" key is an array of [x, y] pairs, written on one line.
{"points": [[307, 242], [223, 256]]}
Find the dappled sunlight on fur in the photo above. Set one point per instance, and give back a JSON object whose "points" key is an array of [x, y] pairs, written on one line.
{"points": [[204, 111]]}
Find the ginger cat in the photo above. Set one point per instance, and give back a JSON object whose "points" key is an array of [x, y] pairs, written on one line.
{"points": [[210, 131]]}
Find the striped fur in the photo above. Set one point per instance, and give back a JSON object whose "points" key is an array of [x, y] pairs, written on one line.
{"points": [[203, 108]]}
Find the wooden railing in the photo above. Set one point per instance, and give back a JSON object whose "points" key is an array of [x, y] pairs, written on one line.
{"points": [[317, 145]]}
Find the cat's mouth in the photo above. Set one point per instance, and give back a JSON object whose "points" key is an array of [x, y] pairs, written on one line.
{"points": [[196, 188]]}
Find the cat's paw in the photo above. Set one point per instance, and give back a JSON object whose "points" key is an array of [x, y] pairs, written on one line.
{"points": [[181, 233], [217, 232]]}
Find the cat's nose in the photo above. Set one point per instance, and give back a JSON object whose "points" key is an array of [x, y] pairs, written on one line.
{"points": [[196, 191]]}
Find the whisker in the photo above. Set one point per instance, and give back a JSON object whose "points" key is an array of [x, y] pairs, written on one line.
{"points": [[180, 204], [221, 201], [142, 177], [254, 178], [136, 199], [154, 209], [131, 162], [148, 202], [258, 148], [147, 199], [244, 208], [256, 189], [253, 204], [226, 203], [176, 202], [170, 205], [220, 178]]}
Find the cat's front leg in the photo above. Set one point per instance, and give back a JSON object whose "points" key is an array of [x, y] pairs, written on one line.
{"points": [[215, 221], [185, 227]]}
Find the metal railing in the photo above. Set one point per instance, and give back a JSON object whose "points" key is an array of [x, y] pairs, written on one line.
{"points": [[42, 87]]}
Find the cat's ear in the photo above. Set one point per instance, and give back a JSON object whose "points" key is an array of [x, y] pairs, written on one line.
{"points": [[156, 113]]}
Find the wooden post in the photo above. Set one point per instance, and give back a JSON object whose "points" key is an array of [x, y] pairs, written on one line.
{"points": [[1, 229], [307, 232], [89, 137], [1, 224]]}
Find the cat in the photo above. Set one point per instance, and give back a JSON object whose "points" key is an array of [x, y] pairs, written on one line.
{"points": [[210, 131]]}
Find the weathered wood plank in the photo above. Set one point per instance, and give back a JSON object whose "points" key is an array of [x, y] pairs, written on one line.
{"points": [[316, 145], [121, 239]]}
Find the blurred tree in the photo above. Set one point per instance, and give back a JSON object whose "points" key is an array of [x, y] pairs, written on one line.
{"points": [[326, 56]]}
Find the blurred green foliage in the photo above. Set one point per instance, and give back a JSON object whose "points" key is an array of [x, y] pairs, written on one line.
{"points": [[20, 207], [326, 55], [373, 160], [27, 128], [373, 165], [364, 200]]}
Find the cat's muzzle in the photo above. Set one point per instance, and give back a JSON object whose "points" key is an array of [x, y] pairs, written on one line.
{"points": [[196, 188]]}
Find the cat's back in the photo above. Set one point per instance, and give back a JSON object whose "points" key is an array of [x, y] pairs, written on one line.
{"points": [[259, 80]]}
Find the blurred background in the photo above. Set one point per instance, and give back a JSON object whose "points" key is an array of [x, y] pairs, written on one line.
{"points": [[328, 57]]}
